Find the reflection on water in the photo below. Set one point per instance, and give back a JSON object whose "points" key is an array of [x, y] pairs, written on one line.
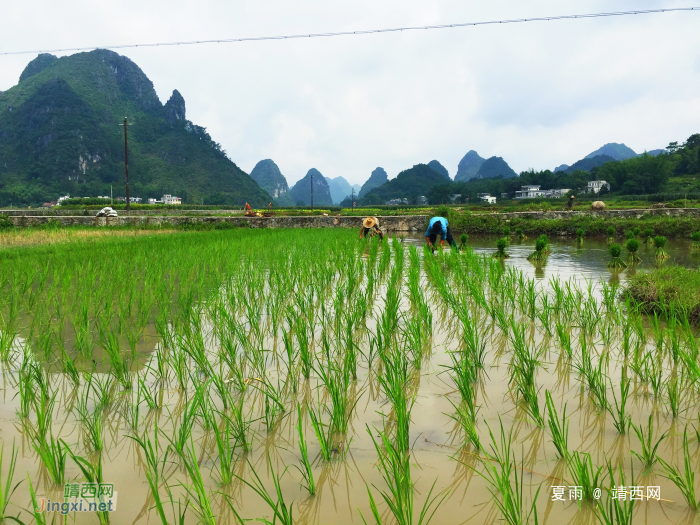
{"points": [[585, 261]]}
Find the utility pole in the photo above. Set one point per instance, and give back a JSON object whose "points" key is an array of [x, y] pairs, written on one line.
{"points": [[126, 167], [312, 192], [352, 199]]}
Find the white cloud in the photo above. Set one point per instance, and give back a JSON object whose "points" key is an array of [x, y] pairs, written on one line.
{"points": [[537, 94]]}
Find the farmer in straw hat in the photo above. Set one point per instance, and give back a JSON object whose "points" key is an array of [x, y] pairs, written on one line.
{"points": [[370, 225], [439, 226]]}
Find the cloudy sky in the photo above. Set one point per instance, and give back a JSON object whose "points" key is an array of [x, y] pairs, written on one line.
{"points": [[537, 94]]}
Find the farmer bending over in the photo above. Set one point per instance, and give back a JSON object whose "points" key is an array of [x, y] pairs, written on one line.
{"points": [[370, 226], [439, 226]]}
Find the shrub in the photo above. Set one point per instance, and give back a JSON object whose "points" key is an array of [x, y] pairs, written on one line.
{"points": [[610, 231], [5, 223]]}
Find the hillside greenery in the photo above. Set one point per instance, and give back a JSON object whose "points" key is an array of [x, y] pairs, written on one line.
{"points": [[677, 170], [409, 184], [60, 134]]}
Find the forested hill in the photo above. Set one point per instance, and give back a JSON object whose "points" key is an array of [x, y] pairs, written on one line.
{"points": [[60, 133], [408, 184]]}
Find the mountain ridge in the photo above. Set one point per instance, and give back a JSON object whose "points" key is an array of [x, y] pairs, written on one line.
{"points": [[59, 133]]}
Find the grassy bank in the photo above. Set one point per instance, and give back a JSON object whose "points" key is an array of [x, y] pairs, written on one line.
{"points": [[667, 289], [593, 225]]}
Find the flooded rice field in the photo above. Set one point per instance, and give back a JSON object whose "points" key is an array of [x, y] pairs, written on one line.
{"points": [[312, 377]]}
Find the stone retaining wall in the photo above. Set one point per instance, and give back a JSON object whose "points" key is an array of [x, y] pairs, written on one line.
{"points": [[619, 214], [406, 223], [57, 212]]}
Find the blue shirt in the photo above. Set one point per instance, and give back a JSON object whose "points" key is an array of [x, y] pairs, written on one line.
{"points": [[443, 225]]}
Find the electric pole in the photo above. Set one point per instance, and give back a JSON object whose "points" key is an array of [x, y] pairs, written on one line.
{"points": [[126, 167], [352, 199], [312, 192]]}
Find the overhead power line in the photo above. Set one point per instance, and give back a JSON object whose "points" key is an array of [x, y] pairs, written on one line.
{"points": [[359, 32]]}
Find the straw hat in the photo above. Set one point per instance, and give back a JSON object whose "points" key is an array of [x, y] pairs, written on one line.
{"points": [[370, 222]]}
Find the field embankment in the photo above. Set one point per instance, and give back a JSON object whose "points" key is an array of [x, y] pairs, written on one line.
{"points": [[665, 290]]}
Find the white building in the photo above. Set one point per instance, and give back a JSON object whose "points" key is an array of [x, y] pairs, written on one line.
{"points": [[555, 194], [61, 199], [421, 199], [154, 201], [169, 199], [594, 186], [529, 192], [486, 197], [396, 202]]}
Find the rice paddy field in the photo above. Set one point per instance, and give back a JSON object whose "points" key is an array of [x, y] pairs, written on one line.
{"points": [[308, 376]]}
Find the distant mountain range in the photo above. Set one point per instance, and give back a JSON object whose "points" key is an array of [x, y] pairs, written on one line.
{"points": [[608, 153], [341, 188]]}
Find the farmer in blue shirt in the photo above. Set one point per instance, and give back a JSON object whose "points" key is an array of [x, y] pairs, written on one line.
{"points": [[439, 226]]}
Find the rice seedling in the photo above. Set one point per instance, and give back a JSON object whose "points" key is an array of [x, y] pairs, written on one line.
{"points": [[395, 467], [583, 474], [36, 510], [616, 510], [519, 234], [7, 490], [618, 411], [183, 432], [685, 479], [610, 231], [540, 253], [659, 243], [580, 232], [52, 454], [283, 513], [465, 375], [674, 388], [337, 382], [323, 431], [196, 491], [632, 246], [501, 245], [305, 470], [564, 339], [648, 457], [695, 237], [151, 449], [648, 235], [559, 428], [93, 426], [616, 263], [463, 239], [93, 474], [225, 446], [504, 484], [395, 383], [120, 367], [463, 417]]}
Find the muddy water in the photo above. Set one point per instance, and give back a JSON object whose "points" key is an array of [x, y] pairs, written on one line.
{"points": [[437, 455]]}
